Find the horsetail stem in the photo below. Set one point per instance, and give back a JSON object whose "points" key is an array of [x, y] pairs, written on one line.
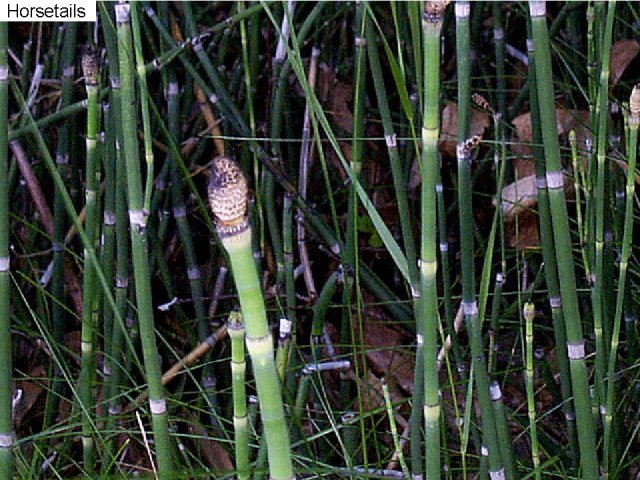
{"points": [[228, 196], [627, 239], [548, 256], [599, 298], [240, 419], [529, 316], [90, 70], [427, 310], [138, 232], [562, 242], [465, 200]]}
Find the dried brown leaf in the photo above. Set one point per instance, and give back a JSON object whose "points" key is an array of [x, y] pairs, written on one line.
{"points": [[622, 54], [31, 391]]}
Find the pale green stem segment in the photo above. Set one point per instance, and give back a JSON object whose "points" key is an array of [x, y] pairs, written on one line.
{"points": [[240, 419], [228, 200], [610, 455], [6, 390], [260, 347], [465, 202], [137, 220], [529, 316], [602, 113], [89, 283], [563, 246], [549, 258], [427, 308]]}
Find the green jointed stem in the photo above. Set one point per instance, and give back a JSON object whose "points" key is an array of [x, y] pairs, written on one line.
{"points": [[6, 390], [240, 419], [469, 304], [427, 310], [138, 220], [549, 258], [144, 107], [529, 316], [609, 453], [602, 113], [563, 246], [91, 74], [228, 200]]}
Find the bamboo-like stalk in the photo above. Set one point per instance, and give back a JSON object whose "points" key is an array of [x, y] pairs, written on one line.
{"points": [[549, 258], [529, 316], [407, 237], [144, 107], [120, 355], [6, 390], [240, 420], [108, 238], [64, 113], [180, 213], [138, 220], [427, 318], [91, 74], [228, 200], [469, 303], [562, 242], [602, 113], [609, 453]]}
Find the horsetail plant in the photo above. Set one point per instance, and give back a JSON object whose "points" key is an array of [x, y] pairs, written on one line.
{"points": [[469, 303], [529, 316], [562, 242], [427, 317], [228, 200], [634, 121], [91, 72], [138, 224], [240, 419], [6, 390], [549, 258], [598, 192]]}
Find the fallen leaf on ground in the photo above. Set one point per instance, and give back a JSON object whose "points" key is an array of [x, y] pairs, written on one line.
{"points": [[622, 54]]}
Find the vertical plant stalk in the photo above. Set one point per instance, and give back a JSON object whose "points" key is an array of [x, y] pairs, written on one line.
{"points": [[427, 318], [563, 245], [115, 211], [228, 199], [138, 224], [549, 258], [627, 244], [180, 212], [407, 236], [465, 201], [91, 74], [6, 390], [238, 370], [529, 316], [599, 297]]}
